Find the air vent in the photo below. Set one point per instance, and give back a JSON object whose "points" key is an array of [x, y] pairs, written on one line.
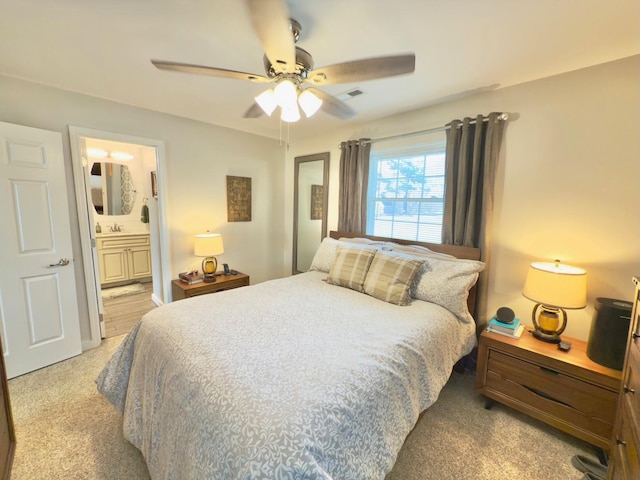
{"points": [[350, 94]]}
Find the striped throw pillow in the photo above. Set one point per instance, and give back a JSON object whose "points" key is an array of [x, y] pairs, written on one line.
{"points": [[350, 267], [390, 277]]}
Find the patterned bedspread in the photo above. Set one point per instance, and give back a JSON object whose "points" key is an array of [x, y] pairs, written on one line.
{"points": [[287, 379]]}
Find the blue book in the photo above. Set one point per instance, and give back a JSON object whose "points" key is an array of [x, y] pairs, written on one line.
{"points": [[504, 327]]}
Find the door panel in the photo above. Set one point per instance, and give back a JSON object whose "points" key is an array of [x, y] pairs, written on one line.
{"points": [[113, 266], [38, 306], [33, 216], [140, 262], [44, 324]]}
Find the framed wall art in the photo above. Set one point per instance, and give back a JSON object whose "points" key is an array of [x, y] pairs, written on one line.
{"points": [[317, 201], [238, 199], [154, 184]]}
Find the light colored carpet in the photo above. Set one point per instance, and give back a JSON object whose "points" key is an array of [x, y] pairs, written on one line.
{"points": [[67, 430], [122, 291]]}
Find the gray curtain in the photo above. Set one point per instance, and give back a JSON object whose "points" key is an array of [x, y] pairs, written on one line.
{"points": [[354, 177], [472, 156]]}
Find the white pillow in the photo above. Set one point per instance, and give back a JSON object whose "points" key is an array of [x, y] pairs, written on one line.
{"points": [[446, 282], [326, 253], [419, 249], [368, 241]]}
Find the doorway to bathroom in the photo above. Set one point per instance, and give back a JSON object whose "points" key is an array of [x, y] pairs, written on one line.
{"points": [[119, 191]]}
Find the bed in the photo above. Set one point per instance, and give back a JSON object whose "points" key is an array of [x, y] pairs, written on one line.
{"points": [[299, 377]]}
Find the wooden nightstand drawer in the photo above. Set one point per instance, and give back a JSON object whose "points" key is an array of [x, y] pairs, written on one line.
{"points": [[181, 290], [564, 389], [568, 399], [626, 445]]}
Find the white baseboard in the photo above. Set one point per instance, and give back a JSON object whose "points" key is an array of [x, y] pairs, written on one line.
{"points": [[156, 300]]}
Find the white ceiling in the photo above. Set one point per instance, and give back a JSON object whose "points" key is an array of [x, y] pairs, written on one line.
{"points": [[102, 48]]}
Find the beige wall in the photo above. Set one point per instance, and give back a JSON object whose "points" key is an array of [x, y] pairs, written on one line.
{"points": [[198, 158], [568, 180]]}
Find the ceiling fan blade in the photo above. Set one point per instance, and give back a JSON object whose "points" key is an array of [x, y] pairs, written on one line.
{"points": [[270, 19], [211, 71], [332, 105], [254, 111], [361, 70]]}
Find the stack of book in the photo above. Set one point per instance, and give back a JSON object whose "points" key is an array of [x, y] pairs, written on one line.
{"points": [[191, 277], [513, 330]]}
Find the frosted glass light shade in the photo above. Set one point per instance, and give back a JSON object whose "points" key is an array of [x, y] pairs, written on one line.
{"points": [[208, 245], [267, 101], [556, 285], [309, 103], [286, 94], [290, 114]]}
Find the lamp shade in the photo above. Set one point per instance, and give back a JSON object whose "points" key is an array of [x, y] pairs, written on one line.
{"points": [[556, 285], [267, 101], [286, 94], [309, 102], [290, 114], [208, 245]]}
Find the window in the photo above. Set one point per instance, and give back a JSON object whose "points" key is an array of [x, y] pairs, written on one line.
{"points": [[405, 196]]}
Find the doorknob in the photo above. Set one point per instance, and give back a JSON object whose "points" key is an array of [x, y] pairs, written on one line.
{"points": [[62, 263]]}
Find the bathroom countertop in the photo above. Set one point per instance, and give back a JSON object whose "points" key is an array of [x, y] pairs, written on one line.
{"points": [[115, 234]]}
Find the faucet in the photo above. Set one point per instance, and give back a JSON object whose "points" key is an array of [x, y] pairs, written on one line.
{"points": [[116, 227]]}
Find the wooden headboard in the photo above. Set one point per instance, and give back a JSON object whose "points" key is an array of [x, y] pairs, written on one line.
{"points": [[469, 253]]}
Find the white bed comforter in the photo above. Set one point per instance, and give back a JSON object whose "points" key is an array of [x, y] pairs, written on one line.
{"points": [[288, 379]]}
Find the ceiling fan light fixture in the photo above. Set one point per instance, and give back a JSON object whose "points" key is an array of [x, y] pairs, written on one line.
{"points": [[290, 114], [267, 101], [286, 94], [309, 102]]}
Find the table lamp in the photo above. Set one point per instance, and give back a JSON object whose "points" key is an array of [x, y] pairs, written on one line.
{"points": [[208, 245], [554, 287]]}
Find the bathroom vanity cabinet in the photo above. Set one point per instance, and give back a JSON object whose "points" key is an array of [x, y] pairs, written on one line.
{"points": [[123, 257]]}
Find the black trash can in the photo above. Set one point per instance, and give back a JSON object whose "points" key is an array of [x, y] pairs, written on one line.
{"points": [[608, 334]]}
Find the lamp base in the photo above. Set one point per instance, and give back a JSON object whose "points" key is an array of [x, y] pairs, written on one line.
{"points": [[547, 325], [209, 267], [547, 337]]}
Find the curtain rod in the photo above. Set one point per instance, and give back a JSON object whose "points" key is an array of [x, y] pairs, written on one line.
{"points": [[502, 116]]}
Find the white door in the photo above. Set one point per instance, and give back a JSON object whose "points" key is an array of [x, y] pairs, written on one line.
{"points": [[38, 310]]}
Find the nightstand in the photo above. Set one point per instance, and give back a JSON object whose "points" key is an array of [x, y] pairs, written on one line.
{"points": [[181, 290], [563, 389]]}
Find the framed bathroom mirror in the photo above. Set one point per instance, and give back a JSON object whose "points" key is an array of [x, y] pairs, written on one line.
{"points": [[112, 188], [310, 201]]}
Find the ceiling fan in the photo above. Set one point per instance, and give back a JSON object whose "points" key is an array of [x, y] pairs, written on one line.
{"points": [[292, 68]]}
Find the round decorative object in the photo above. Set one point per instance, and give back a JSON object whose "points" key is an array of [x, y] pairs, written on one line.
{"points": [[547, 323], [505, 315]]}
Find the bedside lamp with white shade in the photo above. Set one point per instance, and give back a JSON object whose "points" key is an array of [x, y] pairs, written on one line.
{"points": [[208, 245], [554, 287]]}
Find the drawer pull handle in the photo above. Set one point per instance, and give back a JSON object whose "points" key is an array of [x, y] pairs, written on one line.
{"points": [[620, 442], [636, 335], [547, 396], [548, 370], [628, 390]]}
